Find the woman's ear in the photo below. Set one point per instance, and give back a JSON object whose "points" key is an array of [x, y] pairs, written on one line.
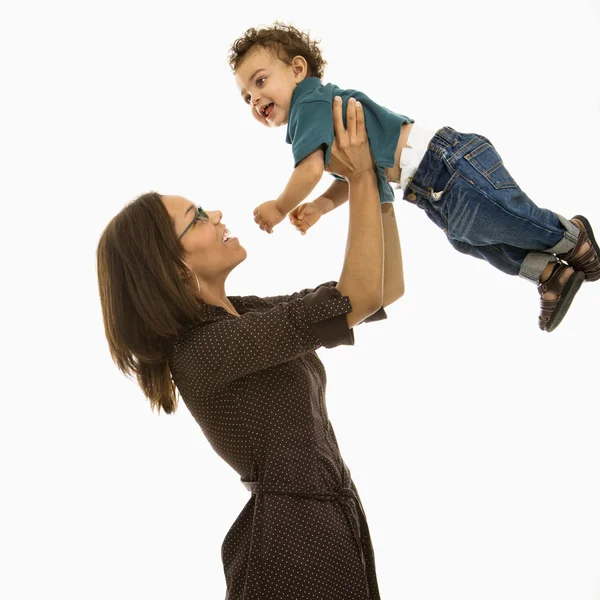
{"points": [[184, 272], [188, 276]]}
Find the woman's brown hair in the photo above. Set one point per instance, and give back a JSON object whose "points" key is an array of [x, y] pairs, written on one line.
{"points": [[146, 296], [286, 41]]}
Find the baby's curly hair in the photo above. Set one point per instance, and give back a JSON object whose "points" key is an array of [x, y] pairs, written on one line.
{"points": [[285, 40]]}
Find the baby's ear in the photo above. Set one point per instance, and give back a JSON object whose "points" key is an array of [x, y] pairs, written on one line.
{"points": [[300, 67]]}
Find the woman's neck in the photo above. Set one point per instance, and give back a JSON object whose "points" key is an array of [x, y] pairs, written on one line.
{"points": [[214, 294]]}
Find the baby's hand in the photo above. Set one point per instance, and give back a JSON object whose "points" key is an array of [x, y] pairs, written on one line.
{"points": [[267, 215], [305, 216]]}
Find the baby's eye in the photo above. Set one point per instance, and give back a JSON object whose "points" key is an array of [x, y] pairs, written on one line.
{"points": [[260, 81], [247, 99]]}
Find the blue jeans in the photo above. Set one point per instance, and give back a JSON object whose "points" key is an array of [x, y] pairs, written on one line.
{"points": [[465, 189]]}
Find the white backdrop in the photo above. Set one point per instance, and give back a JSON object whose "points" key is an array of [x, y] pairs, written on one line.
{"points": [[472, 436]]}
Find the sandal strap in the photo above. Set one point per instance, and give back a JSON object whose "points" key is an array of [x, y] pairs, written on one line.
{"points": [[553, 284], [588, 262], [581, 239]]}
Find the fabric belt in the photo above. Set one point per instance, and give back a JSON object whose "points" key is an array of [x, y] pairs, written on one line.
{"points": [[344, 495]]}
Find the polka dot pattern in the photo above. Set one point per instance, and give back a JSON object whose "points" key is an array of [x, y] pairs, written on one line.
{"points": [[256, 387]]}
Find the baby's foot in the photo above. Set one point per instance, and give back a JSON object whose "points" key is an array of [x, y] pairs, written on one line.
{"points": [[558, 285], [584, 255], [586, 244], [562, 279]]}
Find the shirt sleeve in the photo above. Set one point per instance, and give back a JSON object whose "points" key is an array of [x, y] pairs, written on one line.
{"points": [[311, 128], [231, 348], [380, 315]]}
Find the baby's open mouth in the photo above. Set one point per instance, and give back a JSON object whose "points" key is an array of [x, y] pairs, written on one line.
{"points": [[267, 110]]}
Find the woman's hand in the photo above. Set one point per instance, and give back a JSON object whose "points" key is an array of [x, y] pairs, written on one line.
{"points": [[350, 153]]}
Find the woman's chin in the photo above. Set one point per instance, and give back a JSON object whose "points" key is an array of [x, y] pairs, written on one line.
{"points": [[243, 254]]}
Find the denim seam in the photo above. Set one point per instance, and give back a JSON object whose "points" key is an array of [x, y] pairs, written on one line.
{"points": [[510, 183], [426, 194], [495, 248], [504, 209], [458, 154]]}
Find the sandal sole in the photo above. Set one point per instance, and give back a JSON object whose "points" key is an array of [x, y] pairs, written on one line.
{"points": [[571, 288], [590, 234]]}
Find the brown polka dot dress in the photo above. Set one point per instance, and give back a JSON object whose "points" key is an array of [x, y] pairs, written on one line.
{"points": [[256, 387]]}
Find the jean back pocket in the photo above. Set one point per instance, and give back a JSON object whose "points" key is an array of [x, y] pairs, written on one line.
{"points": [[486, 160]]}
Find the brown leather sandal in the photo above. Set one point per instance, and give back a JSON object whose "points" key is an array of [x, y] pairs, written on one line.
{"points": [[553, 311], [588, 262]]}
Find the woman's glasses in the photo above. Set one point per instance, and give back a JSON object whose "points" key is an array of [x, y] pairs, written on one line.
{"points": [[199, 216]]}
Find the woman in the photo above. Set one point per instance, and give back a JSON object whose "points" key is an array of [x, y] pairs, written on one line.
{"points": [[246, 369]]}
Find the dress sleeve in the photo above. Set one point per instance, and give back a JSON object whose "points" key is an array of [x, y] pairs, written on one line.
{"points": [[273, 300], [230, 348]]}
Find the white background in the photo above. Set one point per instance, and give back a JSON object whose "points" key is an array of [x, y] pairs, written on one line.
{"points": [[473, 437]]}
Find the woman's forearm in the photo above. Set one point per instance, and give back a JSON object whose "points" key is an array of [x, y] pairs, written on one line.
{"points": [[393, 273], [362, 273]]}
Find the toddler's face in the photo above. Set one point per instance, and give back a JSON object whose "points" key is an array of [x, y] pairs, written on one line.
{"points": [[267, 84]]}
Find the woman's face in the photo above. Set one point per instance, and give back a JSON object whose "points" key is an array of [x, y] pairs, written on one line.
{"points": [[208, 252]]}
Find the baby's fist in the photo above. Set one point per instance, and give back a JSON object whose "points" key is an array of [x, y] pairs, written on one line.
{"points": [[267, 215], [305, 216]]}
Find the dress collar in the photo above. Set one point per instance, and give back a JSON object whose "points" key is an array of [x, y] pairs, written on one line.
{"points": [[216, 313]]}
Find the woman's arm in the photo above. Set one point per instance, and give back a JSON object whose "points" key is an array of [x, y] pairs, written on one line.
{"points": [[362, 273], [393, 273]]}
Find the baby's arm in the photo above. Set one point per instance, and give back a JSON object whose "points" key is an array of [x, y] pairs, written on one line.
{"points": [[306, 175], [306, 215], [336, 195]]}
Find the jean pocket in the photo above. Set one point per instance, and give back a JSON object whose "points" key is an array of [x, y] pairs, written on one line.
{"points": [[443, 185], [486, 161]]}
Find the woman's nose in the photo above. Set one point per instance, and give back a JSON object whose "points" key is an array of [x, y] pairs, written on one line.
{"points": [[215, 216]]}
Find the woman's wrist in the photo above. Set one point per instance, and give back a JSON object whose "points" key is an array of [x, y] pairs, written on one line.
{"points": [[366, 174]]}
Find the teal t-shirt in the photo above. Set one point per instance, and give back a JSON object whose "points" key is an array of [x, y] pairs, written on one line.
{"points": [[310, 126]]}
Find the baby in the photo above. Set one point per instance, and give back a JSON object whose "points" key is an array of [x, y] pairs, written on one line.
{"points": [[458, 179]]}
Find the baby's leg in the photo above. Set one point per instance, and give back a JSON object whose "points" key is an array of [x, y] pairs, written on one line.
{"points": [[557, 284], [464, 187]]}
